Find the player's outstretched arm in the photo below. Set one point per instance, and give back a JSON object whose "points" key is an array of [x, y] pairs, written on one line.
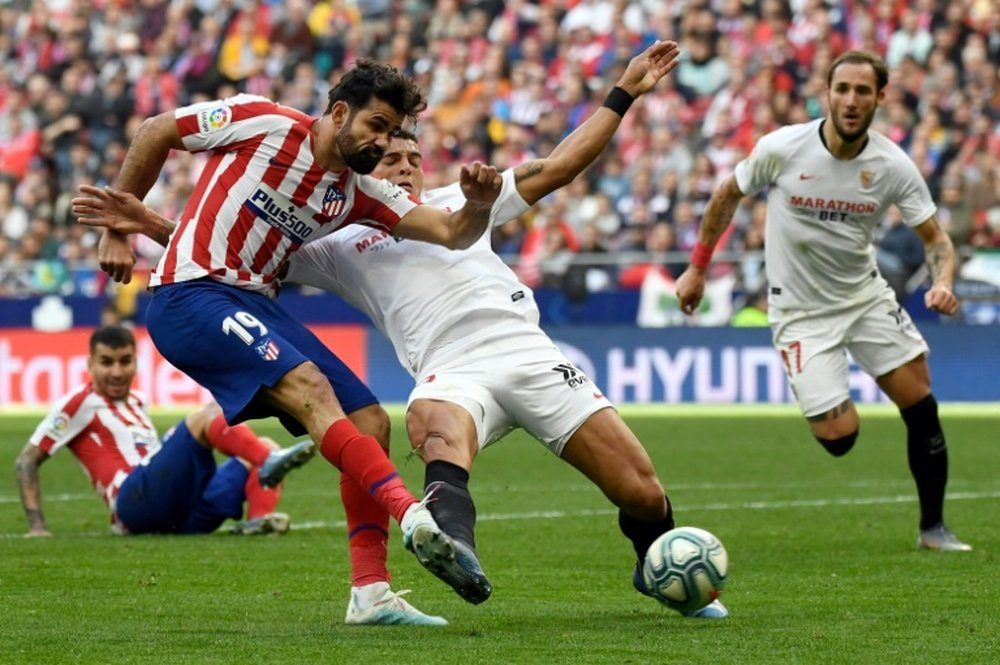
{"points": [[577, 151], [941, 263], [480, 185], [26, 470], [718, 213]]}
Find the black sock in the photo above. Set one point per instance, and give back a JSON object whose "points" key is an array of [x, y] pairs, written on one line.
{"points": [[928, 457], [452, 505], [641, 533]]}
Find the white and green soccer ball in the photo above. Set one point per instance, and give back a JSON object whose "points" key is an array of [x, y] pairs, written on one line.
{"points": [[686, 568]]}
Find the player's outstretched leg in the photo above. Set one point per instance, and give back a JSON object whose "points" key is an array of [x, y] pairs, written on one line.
{"points": [[448, 559], [280, 462], [378, 605]]}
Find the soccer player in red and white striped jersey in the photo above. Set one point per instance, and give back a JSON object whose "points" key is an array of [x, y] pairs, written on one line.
{"points": [[276, 179], [149, 486]]}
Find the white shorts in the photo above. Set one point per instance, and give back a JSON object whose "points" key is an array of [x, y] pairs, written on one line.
{"points": [[879, 335], [522, 380]]}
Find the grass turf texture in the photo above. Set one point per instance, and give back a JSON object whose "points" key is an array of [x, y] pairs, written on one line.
{"points": [[823, 564]]}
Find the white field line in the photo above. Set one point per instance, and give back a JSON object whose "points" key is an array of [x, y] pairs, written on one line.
{"points": [[561, 514]]}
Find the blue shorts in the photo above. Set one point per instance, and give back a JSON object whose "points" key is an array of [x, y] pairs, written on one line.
{"points": [[180, 490], [234, 342]]}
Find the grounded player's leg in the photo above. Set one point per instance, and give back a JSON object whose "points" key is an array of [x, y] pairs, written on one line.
{"points": [[269, 461], [444, 435], [909, 386]]}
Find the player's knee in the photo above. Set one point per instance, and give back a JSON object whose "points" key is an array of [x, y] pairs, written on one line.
{"points": [[198, 422], [373, 421], [840, 446]]}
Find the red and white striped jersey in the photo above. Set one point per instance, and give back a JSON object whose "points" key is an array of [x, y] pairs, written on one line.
{"points": [[108, 437], [262, 195]]}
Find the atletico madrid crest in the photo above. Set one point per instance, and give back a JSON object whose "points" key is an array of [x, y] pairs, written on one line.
{"points": [[268, 350], [333, 201], [867, 178]]}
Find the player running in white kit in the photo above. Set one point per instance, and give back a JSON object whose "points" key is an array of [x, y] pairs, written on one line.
{"points": [[830, 184]]}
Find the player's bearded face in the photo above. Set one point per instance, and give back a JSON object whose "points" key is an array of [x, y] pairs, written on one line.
{"points": [[361, 156], [853, 100], [112, 370]]}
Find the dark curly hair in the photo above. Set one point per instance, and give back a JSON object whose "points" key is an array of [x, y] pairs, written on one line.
{"points": [[370, 79]]}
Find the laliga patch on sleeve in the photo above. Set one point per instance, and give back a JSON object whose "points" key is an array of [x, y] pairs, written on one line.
{"points": [[214, 119], [58, 425]]}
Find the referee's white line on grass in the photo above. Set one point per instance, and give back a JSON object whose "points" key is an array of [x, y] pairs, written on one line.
{"points": [[687, 508]]}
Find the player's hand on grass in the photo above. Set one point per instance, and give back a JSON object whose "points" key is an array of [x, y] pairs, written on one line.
{"points": [[480, 183], [644, 70], [690, 289], [941, 299]]}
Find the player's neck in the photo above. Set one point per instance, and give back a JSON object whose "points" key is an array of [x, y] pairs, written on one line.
{"points": [[836, 145]]}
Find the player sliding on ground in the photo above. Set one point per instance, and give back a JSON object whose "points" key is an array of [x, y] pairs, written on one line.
{"points": [[467, 330]]}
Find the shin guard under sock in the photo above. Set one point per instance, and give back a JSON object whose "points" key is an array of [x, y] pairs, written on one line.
{"points": [[927, 455], [452, 505], [363, 459], [367, 534], [642, 533]]}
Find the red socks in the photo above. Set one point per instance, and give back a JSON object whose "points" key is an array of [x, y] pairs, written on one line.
{"points": [[260, 500], [363, 459], [367, 534], [237, 441]]}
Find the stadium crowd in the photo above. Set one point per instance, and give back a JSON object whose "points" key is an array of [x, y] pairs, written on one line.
{"points": [[506, 81]]}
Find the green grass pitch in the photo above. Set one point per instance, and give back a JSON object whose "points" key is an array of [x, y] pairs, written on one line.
{"points": [[823, 564]]}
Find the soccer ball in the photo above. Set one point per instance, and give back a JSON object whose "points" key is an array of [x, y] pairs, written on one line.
{"points": [[686, 568]]}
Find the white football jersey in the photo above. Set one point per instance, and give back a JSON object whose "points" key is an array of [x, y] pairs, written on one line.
{"points": [[425, 298], [822, 213]]}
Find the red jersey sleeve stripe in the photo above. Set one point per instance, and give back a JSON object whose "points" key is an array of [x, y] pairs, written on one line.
{"points": [[367, 207], [187, 125], [73, 405]]}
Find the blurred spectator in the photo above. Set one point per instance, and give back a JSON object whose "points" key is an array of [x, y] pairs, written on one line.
{"points": [[507, 81]]}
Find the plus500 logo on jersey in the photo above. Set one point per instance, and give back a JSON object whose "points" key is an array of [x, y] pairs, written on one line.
{"points": [[277, 211]]}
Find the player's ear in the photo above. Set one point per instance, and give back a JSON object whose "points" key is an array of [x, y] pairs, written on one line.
{"points": [[340, 112]]}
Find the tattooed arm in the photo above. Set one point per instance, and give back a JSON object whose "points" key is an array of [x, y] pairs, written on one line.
{"points": [[26, 470], [718, 213], [941, 263]]}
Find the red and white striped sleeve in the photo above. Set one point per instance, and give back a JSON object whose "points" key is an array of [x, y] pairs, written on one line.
{"points": [[379, 203], [224, 124], [67, 419]]}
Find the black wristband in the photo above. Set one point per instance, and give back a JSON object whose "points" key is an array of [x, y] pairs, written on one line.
{"points": [[618, 101]]}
